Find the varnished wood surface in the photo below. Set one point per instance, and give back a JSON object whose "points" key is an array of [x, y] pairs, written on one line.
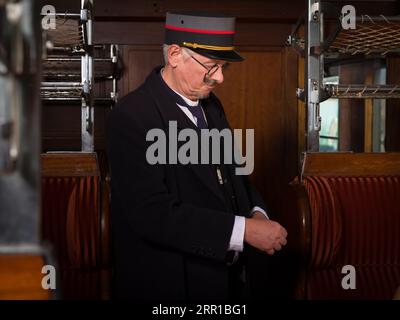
{"points": [[368, 116], [21, 278], [392, 139], [62, 164], [152, 32], [351, 114], [351, 164]]}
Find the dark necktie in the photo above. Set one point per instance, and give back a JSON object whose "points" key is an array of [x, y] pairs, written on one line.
{"points": [[196, 111]]}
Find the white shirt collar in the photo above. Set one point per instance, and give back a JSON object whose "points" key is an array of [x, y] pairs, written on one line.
{"points": [[188, 101]]}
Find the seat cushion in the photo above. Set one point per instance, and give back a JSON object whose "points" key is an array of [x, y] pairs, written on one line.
{"points": [[355, 221]]}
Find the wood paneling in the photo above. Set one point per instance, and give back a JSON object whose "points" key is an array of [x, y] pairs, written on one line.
{"points": [[351, 112], [152, 32], [392, 140], [61, 129], [267, 11], [356, 115], [290, 113], [368, 115], [302, 114], [352, 164], [254, 9], [21, 278], [74, 164], [252, 98], [139, 61]]}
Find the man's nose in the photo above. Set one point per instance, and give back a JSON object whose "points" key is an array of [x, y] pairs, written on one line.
{"points": [[218, 76]]}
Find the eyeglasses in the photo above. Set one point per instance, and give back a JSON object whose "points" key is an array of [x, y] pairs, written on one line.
{"points": [[213, 69]]}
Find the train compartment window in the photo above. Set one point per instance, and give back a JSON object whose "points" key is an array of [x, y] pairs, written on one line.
{"points": [[329, 111]]}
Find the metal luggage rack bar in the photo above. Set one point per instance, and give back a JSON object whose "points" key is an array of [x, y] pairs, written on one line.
{"points": [[61, 95], [363, 91], [60, 84], [76, 100], [51, 90], [69, 68], [72, 92], [68, 49], [67, 14], [66, 59]]}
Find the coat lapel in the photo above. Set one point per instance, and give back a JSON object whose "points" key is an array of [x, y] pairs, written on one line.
{"points": [[169, 111], [165, 103]]}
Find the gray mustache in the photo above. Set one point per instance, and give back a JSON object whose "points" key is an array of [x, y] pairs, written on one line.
{"points": [[208, 81]]}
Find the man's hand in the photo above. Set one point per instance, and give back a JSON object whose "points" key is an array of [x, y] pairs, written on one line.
{"points": [[266, 235], [259, 215]]}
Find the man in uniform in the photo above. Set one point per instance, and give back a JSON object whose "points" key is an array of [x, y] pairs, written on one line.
{"points": [[180, 229]]}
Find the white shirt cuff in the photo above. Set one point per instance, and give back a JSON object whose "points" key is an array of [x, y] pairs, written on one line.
{"points": [[259, 209], [237, 237]]}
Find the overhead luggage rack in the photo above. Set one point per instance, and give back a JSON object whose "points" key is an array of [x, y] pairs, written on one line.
{"points": [[379, 35], [373, 36], [73, 63], [60, 67], [68, 35], [61, 89]]}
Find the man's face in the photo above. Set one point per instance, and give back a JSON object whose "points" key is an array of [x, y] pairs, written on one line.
{"points": [[194, 77]]}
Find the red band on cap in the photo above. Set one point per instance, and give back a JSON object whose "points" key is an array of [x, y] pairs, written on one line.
{"points": [[199, 31]]}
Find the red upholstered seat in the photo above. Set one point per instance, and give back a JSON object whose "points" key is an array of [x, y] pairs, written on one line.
{"points": [[73, 222], [354, 219], [71, 219]]}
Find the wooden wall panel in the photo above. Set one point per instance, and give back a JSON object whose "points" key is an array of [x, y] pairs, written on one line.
{"points": [[271, 10], [351, 113], [254, 9], [152, 33], [392, 141], [291, 113], [251, 95], [61, 127], [139, 61]]}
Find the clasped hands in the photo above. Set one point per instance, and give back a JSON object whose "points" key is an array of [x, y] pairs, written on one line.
{"points": [[266, 235]]}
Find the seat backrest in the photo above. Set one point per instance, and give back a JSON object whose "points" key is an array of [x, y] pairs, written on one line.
{"points": [[74, 212], [354, 202]]}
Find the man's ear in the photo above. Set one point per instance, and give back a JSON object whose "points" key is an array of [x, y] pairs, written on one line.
{"points": [[174, 55]]}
